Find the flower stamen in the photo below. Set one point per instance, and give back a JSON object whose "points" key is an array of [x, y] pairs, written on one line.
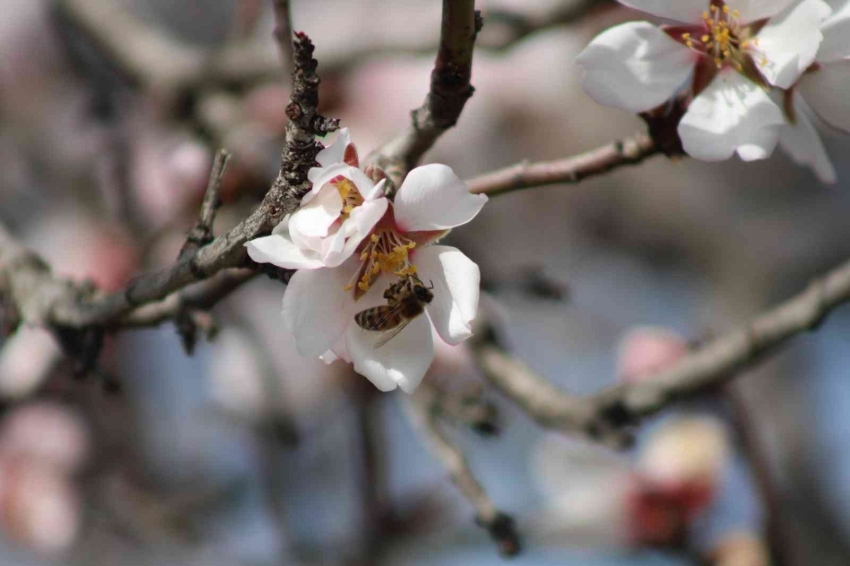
{"points": [[386, 253]]}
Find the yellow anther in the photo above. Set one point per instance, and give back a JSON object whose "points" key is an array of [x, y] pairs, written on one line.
{"points": [[364, 255], [363, 286], [705, 38], [376, 268], [375, 239], [373, 255], [348, 287], [736, 14], [411, 245], [713, 8], [726, 9], [686, 35], [347, 208]]}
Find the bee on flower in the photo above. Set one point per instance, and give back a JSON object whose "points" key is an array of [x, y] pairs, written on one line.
{"points": [[357, 251]]}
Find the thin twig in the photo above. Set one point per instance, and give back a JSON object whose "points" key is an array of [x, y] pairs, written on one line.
{"points": [[629, 151], [754, 449], [422, 414], [516, 26], [283, 32], [450, 89], [202, 233], [605, 414], [199, 297]]}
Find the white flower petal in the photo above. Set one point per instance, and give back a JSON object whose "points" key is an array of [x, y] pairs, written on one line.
{"points": [[314, 219], [316, 307], [283, 227], [358, 225], [432, 197], [401, 362], [790, 42], [280, 251], [687, 11], [753, 10], [456, 281], [836, 35], [634, 66], [826, 91], [732, 114], [802, 142], [363, 183], [377, 191], [335, 152]]}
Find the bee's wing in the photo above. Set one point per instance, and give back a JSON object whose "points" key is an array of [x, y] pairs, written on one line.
{"points": [[391, 333]]}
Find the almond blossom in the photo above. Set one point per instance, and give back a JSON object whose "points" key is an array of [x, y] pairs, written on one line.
{"points": [[820, 89], [334, 217], [729, 53], [321, 301]]}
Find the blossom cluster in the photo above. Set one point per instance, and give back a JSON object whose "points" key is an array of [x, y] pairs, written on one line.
{"points": [[371, 283], [757, 73]]}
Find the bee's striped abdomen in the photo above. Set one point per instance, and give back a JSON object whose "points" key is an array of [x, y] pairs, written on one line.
{"points": [[379, 318]]}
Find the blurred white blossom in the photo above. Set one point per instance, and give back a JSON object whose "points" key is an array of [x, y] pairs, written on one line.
{"points": [[732, 52], [823, 89]]}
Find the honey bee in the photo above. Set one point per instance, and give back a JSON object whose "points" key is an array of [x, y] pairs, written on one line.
{"points": [[406, 299]]}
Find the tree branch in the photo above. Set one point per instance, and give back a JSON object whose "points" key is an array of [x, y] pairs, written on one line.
{"points": [[202, 233], [199, 297], [605, 415], [423, 415], [49, 301], [450, 89], [629, 151]]}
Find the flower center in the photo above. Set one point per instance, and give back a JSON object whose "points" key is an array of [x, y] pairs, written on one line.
{"points": [[386, 252], [723, 38], [351, 197]]}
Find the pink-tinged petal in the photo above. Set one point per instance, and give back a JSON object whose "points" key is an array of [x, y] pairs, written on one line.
{"points": [[401, 362], [363, 183], [329, 357], [335, 152], [802, 142], [731, 114], [358, 225], [687, 11], [320, 177], [836, 35], [377, 191], [634, 66], [316, 218], [280, 251], [790, 41], [826, 91], [457, 282], [432, 197], [317, 308], [753, 10]]}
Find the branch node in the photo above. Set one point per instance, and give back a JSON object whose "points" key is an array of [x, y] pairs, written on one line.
{"points": [[502, 529]]}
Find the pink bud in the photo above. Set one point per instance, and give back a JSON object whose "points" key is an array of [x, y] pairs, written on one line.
{"points": [[647, 350], [38, 506], [47, 432]]}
